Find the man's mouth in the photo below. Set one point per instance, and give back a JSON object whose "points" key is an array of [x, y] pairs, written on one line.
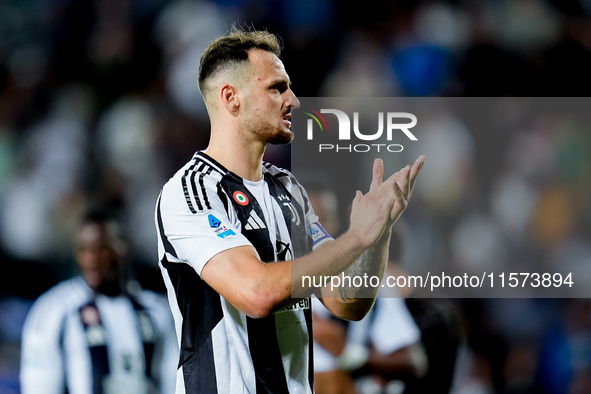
{"points": [[287, 118]]}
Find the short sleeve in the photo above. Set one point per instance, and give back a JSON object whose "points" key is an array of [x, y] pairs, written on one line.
{"points": [[324, 361], [393, 327], [194, 238], [41, 353]]}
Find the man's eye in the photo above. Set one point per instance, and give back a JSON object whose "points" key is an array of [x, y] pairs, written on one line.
{"points": [[280, 88]]}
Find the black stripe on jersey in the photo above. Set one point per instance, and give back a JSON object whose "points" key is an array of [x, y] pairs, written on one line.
{"points": [[187, 196], [194, 188], [100, 367], [208, 160], [197, 378], [99, 356], [201, 311], [146, 333], [266, 356], [168, 248], [280, 173], [63, 351], [202, 169], [186, 188], [308, 316], [203, 191]]}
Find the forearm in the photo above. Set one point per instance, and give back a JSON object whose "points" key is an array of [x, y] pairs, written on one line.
{"points": [[329, 260], [258, 289], [372, 263], [274, 286], [410, 360], [352, 302], [330, 335]]}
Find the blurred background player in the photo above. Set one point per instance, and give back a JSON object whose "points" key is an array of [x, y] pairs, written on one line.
{"points": [[431, 366], [97, 333], [405, 344], [384, 352]]}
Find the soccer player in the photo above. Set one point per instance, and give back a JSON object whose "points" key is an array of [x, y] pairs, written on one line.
{"points": [[90, 335], [235, 234]]}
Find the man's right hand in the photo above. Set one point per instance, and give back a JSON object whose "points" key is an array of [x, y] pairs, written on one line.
{"points": [[405, 179], [381, 207]]}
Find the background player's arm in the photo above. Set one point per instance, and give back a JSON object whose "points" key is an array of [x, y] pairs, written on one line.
{"points": [[166, 356], [41, 355]]}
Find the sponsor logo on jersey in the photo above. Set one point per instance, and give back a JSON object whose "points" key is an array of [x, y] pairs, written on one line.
{"points": [[219, 229], [254, 222], [90, 316], [300, 305], [240, 198], [283, 250], [214, 222]]}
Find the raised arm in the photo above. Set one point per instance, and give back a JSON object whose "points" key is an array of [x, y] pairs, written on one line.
{"points": [[258, 288], [352, 303]]}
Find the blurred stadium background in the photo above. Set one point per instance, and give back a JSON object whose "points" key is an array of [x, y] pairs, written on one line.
{"points": [[99, 104]]}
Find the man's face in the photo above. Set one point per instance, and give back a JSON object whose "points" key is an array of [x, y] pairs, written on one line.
{"points": [[96, 255], [267, 99]]}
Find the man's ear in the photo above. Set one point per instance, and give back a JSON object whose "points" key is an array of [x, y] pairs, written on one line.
{"points": [[229, 98]]}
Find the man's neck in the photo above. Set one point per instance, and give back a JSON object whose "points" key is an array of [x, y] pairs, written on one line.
{"points": [[109, 288], [243, 158]]}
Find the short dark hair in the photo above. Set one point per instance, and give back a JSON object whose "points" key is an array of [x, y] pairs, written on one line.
{"points": [[233, 48], [98, 214], [101, 215]]}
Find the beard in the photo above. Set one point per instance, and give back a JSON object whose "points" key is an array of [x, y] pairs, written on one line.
{"points": [[273, 132], [281, 138]]}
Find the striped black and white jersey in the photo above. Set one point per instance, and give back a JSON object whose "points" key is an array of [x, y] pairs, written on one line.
{"points": [[203, 210], [76, 341]]}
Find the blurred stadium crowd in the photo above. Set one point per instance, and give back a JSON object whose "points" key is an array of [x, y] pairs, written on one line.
{"points": [[99, 104]]}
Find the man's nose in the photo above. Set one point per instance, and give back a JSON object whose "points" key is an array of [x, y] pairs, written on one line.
{"points": [[293, 101]]}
